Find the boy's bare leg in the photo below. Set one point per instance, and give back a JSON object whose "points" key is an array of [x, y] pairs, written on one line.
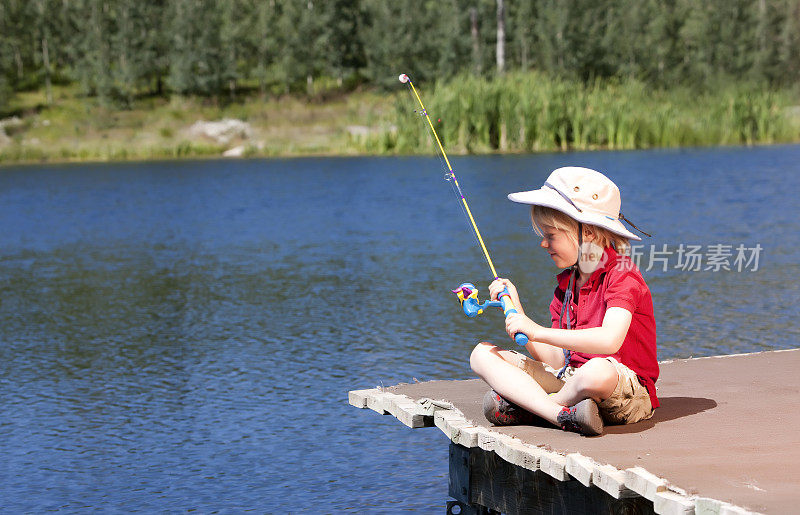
{"points": [[545, 353], [534, 367], [511, 382], [596, 380]]}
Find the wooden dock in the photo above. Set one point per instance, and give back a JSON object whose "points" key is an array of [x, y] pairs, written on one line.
{"points": [[724, 441]]}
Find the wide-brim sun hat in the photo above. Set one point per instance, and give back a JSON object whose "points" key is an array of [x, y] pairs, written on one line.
{"points": [[584, 194]]}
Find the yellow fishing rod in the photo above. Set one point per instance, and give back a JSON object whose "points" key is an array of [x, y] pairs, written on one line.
{"points": [[467, 293]]}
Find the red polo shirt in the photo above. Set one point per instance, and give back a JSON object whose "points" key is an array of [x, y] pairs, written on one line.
{"points": [[619, 283]]}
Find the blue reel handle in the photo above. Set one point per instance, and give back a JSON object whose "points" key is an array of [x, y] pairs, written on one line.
{"points": [[508, 309]]}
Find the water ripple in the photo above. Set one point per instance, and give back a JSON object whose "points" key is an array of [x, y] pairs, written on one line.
{"points": [[181, 336]]}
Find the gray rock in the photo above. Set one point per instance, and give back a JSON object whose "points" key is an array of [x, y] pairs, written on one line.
{"points": [[223, 131]]}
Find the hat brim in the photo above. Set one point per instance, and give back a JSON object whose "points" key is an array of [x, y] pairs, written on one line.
{"points": [[548, 197]]}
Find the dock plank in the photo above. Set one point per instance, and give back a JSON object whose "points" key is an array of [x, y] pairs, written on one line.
{"points": [[645, 483], [580, 467], [612, 481]]}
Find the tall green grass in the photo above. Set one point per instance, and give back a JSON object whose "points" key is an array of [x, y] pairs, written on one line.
{"points": [[521, 112], [110, 152], [529, 112]]}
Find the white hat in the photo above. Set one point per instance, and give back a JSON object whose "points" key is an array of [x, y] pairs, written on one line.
{"points": [[586, 195]]}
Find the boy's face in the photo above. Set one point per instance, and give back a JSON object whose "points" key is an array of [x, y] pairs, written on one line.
{"points": [[560, 246]]}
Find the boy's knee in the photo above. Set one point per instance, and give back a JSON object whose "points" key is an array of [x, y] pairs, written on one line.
{"points": [[480, 354], [597, 378], [601, 366]]}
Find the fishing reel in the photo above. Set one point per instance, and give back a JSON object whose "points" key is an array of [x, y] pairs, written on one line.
{"points": [[467, 294]]}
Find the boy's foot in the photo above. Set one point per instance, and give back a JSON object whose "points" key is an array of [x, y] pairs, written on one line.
{"points": [[583, 418], [501, 412]]}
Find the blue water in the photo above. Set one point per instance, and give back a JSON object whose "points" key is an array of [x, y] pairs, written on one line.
{"points": [[182, 336]]}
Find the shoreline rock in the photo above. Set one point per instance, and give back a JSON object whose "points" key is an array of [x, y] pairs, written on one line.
{"points": [[221, 132]]}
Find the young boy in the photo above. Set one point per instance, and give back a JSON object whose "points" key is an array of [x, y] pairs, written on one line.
{"points": [[598, 360]]}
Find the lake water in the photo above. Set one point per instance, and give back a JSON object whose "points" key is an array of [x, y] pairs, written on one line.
{"points": [[182, 336]]}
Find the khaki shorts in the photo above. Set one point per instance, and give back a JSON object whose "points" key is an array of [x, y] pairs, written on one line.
{"points": [[629, 403]]}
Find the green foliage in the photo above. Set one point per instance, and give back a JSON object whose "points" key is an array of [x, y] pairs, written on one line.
{"points": [[526, 112], [197, 64], [579, 73], [521, 112], [119, 50]]}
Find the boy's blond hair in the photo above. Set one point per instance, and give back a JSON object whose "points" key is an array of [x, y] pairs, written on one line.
{"points": [[541, 216]]}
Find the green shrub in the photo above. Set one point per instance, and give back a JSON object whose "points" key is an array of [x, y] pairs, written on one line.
{"points": [[523, 112]]}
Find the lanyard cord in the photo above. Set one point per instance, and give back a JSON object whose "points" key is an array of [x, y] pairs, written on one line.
{"points": [[566, 306], [567, 303]]}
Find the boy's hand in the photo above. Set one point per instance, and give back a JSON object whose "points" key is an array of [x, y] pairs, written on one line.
{"points": [[498, 285], [519, 323]]}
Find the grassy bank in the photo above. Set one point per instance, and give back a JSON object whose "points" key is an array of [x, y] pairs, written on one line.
{"points": [[75, 128], [518, 113], [533, 112]]}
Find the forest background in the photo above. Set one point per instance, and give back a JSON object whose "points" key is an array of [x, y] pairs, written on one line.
{"points": [[115, 79]]}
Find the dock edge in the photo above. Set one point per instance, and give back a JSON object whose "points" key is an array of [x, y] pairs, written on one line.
{"points": [[667, 499]]}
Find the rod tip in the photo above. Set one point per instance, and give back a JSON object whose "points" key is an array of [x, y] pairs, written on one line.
{"points": [[403, 78]]}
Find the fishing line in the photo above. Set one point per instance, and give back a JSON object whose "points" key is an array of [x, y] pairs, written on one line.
{"points": [[451, 176], [447, 176], [467, 293]]}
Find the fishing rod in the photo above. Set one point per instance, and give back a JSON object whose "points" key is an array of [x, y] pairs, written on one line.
{"points": [[467, 293]]}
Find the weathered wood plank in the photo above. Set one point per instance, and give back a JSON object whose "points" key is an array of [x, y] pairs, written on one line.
{"points": [[515, 452], [496, 484], [358, 398], [612, 481], [430, 406], [730, 509], [458, 480], [377, 401], [466, 435], [581, 468], [488, 440], [456, 428], [671, 503], [523, 455], [644, 483], [707, 506], [407, 411], [554, 465]]}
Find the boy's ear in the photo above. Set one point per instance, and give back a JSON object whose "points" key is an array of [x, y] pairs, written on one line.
{"points": [[588, 233]]}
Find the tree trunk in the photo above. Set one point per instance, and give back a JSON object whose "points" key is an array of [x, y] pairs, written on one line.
{"points": [[18, 60], [761, 55], [263, 48], [46, 60], [523, 50], [232, 63], [476, 46], [501, 37]]}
